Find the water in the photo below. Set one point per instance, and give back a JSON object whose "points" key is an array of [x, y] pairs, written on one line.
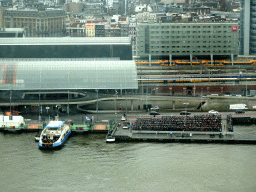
{"points": [[87, 163]]}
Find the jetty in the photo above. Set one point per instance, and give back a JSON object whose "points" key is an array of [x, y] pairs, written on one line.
{"points": [[197, 128]]}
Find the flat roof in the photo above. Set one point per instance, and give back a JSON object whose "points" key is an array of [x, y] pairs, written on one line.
{"points": [[58, 74], [66, 41]]}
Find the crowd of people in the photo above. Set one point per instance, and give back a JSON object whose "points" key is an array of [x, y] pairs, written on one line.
{"points": [[210, 123]]}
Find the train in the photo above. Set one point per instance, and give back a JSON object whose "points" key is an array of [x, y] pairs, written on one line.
{"points": [[194, 63], [196, 78]]}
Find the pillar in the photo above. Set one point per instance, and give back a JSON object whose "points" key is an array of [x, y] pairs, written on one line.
{"points": [[149, 59], [170, 91], [170, 58], [173, 105], [184, 91], [232, 59], [211, 59], [191, 59]]}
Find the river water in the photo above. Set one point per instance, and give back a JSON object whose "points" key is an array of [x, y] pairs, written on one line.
{"points": [[87, 163]]}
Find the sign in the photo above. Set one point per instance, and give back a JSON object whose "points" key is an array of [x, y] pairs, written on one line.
{"points": [[89, 25], [47, 107], [234, 28]]}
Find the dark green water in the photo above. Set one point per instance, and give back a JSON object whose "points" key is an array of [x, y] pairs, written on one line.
{"points": [[87, 163]]}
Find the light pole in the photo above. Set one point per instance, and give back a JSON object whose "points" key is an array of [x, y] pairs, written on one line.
{"points": [[185, 113], [201, 98], [115, 100], [246, 86], [97, 105]]}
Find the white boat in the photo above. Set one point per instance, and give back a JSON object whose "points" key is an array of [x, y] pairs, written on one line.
{"points": [[37, 136], [13, 124], [110, 138], [54, 135]]}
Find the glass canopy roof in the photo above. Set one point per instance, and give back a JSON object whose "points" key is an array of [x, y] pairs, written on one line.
{"points": [[35, 74]]}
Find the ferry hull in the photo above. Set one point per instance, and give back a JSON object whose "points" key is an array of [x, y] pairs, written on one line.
{"points": [[53, 145]]}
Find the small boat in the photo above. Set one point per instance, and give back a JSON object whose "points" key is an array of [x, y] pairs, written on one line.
{"points": [[110, 138], [37, 136], [54, 135]]}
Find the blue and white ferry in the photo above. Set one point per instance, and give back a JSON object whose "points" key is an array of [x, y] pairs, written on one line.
{"points": [[54, 135]]}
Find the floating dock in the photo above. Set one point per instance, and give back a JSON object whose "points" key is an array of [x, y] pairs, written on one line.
{"points": [[222, 134]]}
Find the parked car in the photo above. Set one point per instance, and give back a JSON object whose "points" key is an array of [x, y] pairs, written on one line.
{"points": [[154, 113], [126, 125], [156, 108], [239, 111], [185, 113], [213, 112]]}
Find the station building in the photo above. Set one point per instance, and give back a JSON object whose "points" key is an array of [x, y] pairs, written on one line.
{"points": [[165, 40], [67, 47]]}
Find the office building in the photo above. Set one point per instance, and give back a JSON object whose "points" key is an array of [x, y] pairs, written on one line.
{"points": [[187, 39]]}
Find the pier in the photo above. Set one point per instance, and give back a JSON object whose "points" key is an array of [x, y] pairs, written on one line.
{"points": [[227, 133]]}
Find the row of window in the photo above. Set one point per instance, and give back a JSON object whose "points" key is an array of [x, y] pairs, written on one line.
{"points": [[188, 47], [173, 42], [191, 27], [189, 52], [187, 32], [188, 37]]}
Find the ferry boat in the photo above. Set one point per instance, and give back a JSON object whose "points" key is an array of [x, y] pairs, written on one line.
{"points": [[54, 135]]}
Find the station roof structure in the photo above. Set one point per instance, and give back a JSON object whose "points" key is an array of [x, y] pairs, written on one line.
{"points": [[58, 74], [66, 41]]}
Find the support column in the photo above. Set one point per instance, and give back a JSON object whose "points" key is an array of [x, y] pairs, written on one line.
{"points": [[170, 91], [173, 105], [184, 91], [208, 90], [232, 59], [211, 59], [131, 105], [191, 59], [170, 57], [149, 59]]}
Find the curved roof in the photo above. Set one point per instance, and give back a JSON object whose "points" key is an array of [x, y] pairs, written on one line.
{"points": [[52, 74]]}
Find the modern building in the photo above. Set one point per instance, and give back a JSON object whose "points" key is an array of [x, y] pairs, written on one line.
{"points": [[161, 40], [248, 28], [45, 23]]}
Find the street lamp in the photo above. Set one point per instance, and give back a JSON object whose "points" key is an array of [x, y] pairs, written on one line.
{"points": [[246, 86], [185, 113], [201, 98], [115, 100]]}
